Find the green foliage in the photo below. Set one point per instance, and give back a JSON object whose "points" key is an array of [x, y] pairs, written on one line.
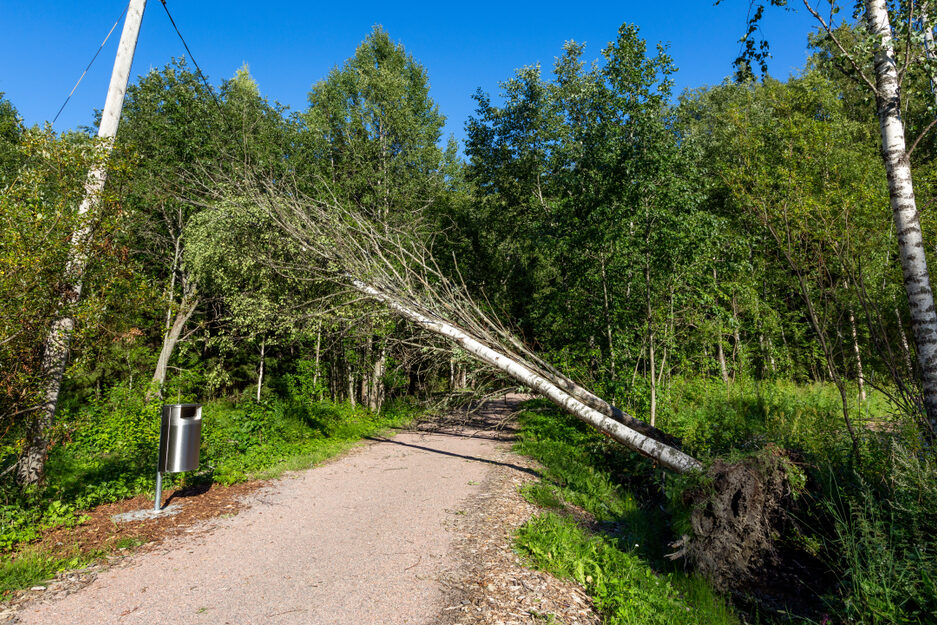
{"points": [[616, 565], [712, 418], [11, 130], [623, 587], [884, 538], [38, 218], [541, 495]]}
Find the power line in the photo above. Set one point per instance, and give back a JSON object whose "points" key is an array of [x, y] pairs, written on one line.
{"points": [[103, 43], [191, 56]]}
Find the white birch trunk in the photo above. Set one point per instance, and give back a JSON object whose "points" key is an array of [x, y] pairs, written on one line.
{"points": [[608, 321], [377, 382], [260, 372], [723, 369], [903, 205], [669, 457], [31, 465], [855, 349], [650, 332], [170, 340], [315, 373], [905, 348]]}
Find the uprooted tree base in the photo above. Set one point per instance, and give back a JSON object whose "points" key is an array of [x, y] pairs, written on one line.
{"points": [[735, 518], [740, 513]]}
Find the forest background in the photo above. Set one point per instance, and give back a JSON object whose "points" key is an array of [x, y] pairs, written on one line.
{"points": [[721, 264]]}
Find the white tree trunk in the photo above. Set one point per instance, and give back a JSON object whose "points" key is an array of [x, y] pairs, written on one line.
{"points": [[903, 205], [855, 349], [650, 333], [723, 369], [315, 373], [260, 372], [669, 457], [186, 308], [31, 465], [608, 321], [377, 382], [905, 348]]}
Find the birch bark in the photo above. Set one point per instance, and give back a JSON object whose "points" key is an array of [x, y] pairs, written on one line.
{"points": [[903, 205], [669, 457], [260, 372]]}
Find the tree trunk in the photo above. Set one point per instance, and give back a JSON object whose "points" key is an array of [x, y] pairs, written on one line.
{"points": [[669, 457], [30, 467], [736, 339], [855, 349], [186, 308], [650, 331], [905, 348], [365, 374], [260, 372], [315, 373], [723, 369], [377, 382], [608, 321], [903, 205]]}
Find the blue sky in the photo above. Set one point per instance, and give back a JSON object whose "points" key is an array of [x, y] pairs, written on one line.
{"points": [[291, 45]]}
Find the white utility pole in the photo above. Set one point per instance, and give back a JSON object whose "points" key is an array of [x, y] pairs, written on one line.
{"points": [[31, 465]]}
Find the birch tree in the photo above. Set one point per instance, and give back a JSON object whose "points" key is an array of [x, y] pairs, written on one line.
{"points": [[586, 214], [881, 64], [178, 131], [393, 265]]}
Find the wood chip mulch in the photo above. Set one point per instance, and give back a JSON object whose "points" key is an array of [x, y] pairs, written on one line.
{"points": [[491, 584]]}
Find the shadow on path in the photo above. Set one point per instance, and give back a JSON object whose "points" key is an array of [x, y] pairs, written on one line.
{"points": [[381, 439]]}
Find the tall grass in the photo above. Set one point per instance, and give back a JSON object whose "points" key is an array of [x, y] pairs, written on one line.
{"points": [[619, 561], [713, 418]]}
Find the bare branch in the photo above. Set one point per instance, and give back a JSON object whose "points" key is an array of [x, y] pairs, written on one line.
{"points": [[842, 49]]}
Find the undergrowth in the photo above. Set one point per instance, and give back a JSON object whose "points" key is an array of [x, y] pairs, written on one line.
{"points": [[866, 521], [619, 560]]}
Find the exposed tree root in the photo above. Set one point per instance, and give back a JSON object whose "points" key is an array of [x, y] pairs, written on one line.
{"points": [[737, 514]]}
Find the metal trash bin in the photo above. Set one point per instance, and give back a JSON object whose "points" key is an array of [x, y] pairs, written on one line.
{"points": [[180, 436]]}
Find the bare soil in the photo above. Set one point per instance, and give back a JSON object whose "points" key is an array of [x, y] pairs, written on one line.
{"points": [[411, 529]]}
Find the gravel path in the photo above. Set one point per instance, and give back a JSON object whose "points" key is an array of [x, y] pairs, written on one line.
{"points": [[360, 540]]}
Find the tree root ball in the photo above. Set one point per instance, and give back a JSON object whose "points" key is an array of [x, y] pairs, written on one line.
{"points": [[737, 512]]}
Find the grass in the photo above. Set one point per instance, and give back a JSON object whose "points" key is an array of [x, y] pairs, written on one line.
{"points": [[620, 564], [32, 568]]}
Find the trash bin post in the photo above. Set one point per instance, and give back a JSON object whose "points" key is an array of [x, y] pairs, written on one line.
{"points": [[159, 491]]}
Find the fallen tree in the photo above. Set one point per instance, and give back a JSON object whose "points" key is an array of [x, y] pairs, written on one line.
{"points": [[341, 243], [338, 242]]}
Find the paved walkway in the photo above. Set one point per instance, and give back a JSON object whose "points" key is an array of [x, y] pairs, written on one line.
{"points": [[359, 540]]}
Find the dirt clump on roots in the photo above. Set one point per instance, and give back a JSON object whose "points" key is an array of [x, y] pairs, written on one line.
{"points": [[738, 513]]}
